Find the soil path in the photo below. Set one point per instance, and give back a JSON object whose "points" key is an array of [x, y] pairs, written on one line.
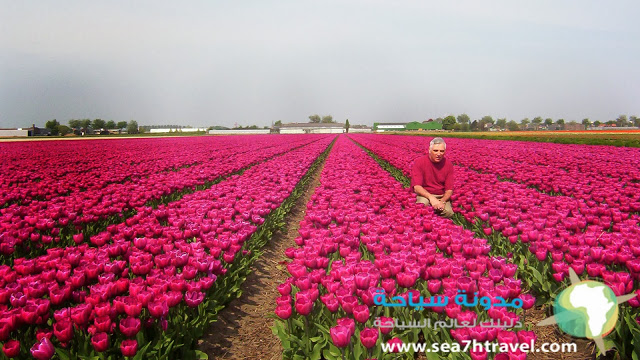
{"points": [[243, 329]]}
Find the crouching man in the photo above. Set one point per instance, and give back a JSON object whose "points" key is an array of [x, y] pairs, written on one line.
{"points": [[432, 179]]}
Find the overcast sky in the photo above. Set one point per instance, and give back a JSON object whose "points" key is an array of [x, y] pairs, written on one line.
{"points": [[205, 63]]}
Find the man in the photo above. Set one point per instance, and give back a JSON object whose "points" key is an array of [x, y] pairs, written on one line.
{"points": [[432, 179]]}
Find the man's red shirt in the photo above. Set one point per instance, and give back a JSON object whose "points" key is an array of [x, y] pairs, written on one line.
{"points": [[436, 178]]}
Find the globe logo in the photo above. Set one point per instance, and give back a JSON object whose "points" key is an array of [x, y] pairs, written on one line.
{"points": [[586, 309]]}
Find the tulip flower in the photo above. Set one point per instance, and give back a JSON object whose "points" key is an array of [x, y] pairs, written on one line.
{"points": [[63, 330], [341, 336], [11, 348], [129, 348], [43, 350], [100, 342], [284, 311], [303, 306], [130, 326], [369, 337], [361, 313]]}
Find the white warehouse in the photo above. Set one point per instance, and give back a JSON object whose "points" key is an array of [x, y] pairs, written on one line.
{"points": [[312, 128]]}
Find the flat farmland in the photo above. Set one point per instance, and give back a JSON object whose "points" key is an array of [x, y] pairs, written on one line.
{"points": [[290, 246]]}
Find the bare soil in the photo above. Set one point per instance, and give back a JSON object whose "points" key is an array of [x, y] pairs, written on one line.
{"points": [[243, 329], [552, 334]]}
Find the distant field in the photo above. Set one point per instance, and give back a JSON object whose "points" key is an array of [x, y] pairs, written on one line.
{"points": [[629, 138]]}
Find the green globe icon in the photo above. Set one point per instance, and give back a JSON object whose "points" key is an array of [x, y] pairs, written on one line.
{"points": [[588, 309]]}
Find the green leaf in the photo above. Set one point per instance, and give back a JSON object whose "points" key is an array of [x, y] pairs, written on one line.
{"points": [[316, 339], [141, 352], [63, 354], [357, 352], [316, 353], [536, 274], [201, 355], [432, 355]]}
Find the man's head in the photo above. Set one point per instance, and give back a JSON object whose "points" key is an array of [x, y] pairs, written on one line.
{"points": [[436, 149]]}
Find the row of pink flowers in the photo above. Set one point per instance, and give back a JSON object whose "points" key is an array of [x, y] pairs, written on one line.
{"points": [[600, 174], [592, 237], [132, 274], [39, 222], [363, 233]]}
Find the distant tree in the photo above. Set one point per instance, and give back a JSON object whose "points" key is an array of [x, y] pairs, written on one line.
{"points": [[537, 121], [586, 123], [457, 127], [346, 126], [463, 119], [110, 124], [635, 120], [63, 130], [85, 124], [132, 127], [121, 125], [597, 123], [474, 125], [524, 123], [327, 119], [622, 121], [278, 123], [560, 123], [448, 122], [315, 118], [548, 122], [502, 123], [252, 127], [512, 126], [482, 125], [99, 124], [611, 122], [464, 127], [53, 126], [74, 124]]}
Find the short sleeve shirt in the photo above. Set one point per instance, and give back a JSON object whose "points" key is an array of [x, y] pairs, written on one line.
{"points": [[436, 178]]}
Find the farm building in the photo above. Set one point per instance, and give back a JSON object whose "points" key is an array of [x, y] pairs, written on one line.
{"points": [[172, 130], [311, 128], [24, 132], [14, 133], [359, 129], [411, 126], [240, 132]]}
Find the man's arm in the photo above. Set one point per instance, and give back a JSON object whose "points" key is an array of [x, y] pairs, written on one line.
{"points": [[436, 203], [446, 196], [418, 189]]}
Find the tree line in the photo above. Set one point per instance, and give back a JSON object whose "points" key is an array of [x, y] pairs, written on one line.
{"points": [[463, 123], [84, 126]]}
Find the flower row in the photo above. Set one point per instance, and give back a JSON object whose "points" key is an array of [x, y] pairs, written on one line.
{"points": [[42, 223], [364, 234], [145, 273]]}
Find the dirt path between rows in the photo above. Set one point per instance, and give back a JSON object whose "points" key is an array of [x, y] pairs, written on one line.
{"points": [[243, 329]]}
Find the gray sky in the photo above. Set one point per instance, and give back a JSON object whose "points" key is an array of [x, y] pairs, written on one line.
{"points": [[205, 63]]}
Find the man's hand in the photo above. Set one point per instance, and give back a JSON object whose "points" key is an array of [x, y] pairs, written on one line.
{"points": [[436, 203]]}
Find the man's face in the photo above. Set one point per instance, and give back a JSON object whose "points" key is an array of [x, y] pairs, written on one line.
{"points": [[436, 153]]}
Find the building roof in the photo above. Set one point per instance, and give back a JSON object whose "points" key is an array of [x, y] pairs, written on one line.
{"points": [[312, 125]]}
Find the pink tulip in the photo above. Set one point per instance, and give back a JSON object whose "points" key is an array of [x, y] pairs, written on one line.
{"points": [[341, 336]]}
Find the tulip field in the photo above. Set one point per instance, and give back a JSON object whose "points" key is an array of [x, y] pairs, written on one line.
{"points": [[130, 248]]}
